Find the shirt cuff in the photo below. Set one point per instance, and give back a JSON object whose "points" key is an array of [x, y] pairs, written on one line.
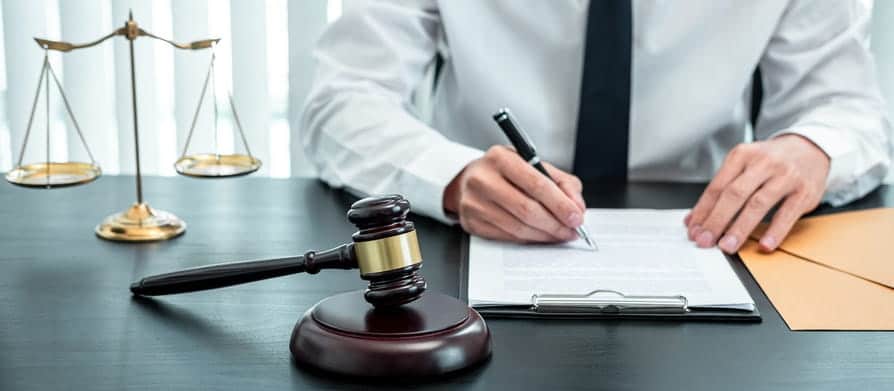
{"points": [[431, 172], [850, 176]]}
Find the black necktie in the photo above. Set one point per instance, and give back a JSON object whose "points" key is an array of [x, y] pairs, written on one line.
{"points": [[603, 120]]}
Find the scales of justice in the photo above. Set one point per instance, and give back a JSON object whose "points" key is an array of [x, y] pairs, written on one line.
{"points": [[140, 222]]}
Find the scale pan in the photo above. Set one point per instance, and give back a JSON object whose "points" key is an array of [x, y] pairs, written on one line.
{"points": [[209, 165], [58, 175]]}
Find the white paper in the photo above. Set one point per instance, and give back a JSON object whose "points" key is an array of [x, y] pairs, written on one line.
{"points": [[641, 252]]}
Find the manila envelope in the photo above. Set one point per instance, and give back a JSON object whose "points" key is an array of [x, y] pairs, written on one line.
{"points": [[833, 272]]}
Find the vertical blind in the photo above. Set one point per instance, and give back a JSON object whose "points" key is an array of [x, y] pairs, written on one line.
{"points": [[264, 59]]}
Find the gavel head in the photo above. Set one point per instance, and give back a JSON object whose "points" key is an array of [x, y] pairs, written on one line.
{"points": [[387, 250]]}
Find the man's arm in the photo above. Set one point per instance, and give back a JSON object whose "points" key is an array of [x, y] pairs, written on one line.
{"points": [[357, 127], [821, 84], [358, 130], [826, 136]]}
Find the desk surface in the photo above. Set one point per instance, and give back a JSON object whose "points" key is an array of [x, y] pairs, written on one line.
{"points": [[67, 320]]}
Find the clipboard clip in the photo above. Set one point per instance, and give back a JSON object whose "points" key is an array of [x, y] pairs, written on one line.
{"points": [[608, 302]]}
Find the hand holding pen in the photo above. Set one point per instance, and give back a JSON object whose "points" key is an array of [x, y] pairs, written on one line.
{"points": [[525, 148], [500, 196]]}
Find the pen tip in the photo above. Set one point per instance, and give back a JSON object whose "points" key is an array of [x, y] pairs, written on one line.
{"points": [[592, 243]]}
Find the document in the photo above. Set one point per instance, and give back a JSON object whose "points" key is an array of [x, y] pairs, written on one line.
{"points": [[641, 253]]}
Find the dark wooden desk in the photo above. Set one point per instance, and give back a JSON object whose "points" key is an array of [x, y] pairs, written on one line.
{"points": [[67, 320]]}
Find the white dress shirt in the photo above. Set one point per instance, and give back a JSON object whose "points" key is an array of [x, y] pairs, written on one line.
{"points": [[692, 64]]}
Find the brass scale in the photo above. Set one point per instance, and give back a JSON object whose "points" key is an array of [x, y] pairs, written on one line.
{"points": [[139, 222]]}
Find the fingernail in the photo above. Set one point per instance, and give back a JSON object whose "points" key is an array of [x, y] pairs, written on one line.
{"points": [[694, 231], [687, 218], [729, 243], [768, 242], [705, 239], [574, 219]]}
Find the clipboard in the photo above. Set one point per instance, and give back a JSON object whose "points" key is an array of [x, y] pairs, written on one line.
{"points": [[605, 304]]}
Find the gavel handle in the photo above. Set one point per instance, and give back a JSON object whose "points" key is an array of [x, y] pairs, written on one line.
{"points": [[227, 274]]}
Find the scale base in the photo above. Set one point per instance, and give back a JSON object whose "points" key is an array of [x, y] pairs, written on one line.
{"points": [[431, 336], [140, 223]]}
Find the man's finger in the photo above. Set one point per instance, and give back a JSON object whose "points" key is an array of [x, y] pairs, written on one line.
{"points": [[570, 185], [540, 188], [500, 216], [732, 167], [788, 213], [518, 231], [484, 229], [478, 210], [729, 203], [755, 210], [525, 209]]}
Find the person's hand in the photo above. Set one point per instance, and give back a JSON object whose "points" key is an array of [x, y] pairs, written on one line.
{"points": [[788, 170], [500, 196]]}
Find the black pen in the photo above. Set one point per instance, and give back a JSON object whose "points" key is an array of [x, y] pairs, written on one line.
{"points": [[525, 148]]}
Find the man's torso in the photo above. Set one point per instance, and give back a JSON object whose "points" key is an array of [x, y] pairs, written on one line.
{"points": [[691, 70]]}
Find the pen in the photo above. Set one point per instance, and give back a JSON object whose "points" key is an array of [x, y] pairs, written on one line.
{"points": [[525, 148]]}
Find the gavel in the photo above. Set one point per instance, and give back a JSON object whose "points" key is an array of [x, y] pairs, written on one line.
{"points": [[384, 248], [396, 332]]}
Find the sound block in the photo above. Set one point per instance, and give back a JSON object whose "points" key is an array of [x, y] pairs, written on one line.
{"points": [[433, 335]]}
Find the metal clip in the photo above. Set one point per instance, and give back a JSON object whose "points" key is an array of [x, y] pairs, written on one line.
{"points": [[608, 302]]}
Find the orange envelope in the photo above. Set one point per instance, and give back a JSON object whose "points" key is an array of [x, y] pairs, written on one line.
{"points": [[833, 272]]}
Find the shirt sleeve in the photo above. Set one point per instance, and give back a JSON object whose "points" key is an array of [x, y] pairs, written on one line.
{"points": [[357, 126], [820, 82]]}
